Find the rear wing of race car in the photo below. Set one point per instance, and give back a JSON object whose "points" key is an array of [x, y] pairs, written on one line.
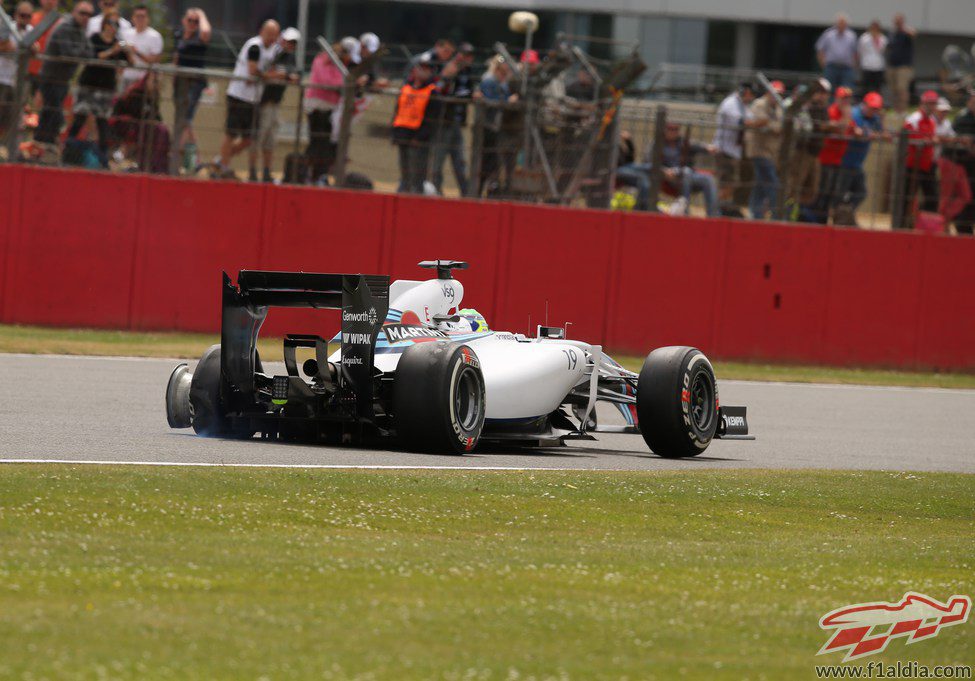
{"points": [[362, 299]]}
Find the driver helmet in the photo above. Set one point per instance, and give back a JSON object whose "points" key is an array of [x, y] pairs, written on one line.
{"points": [[477, 321]]}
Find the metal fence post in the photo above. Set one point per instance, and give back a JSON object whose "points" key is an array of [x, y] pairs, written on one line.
{"points": [[20, 99], [897, 180], [614, 157], [785, 158], [657, 169], [299, 117], [345, 130], [181, 91], [477, 150]]}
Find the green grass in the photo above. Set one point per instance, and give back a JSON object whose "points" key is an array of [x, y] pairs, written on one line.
{"points": [[242, 573], [42, 340]]}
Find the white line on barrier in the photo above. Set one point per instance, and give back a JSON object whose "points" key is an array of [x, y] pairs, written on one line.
{"points": [[205, 464]]}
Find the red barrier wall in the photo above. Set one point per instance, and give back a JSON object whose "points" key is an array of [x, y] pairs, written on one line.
{"points": [[134, 252]]}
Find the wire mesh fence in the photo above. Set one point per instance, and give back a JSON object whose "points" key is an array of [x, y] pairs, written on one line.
{"points": [[557, 143], [881, 178]]}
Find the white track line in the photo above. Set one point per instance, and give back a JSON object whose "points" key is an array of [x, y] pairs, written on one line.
{"points": [[203, 464]]}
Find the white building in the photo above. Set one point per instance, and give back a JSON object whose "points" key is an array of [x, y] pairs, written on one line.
{"points": [[769, 34]]}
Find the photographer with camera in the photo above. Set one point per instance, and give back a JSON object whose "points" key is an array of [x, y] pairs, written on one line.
{"points": [[96, 88]]}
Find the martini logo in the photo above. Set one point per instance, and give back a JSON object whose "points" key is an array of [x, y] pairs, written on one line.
{"points": [[369, 316], [397, 333], [866, 628]]}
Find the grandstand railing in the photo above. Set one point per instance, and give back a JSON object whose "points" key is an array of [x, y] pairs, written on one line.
{"points": [[548, 149]]}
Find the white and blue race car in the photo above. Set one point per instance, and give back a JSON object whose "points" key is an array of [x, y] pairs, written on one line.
{"points": [[414, 365]]}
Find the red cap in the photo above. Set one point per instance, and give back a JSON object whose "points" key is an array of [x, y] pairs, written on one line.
{"points": [[530, 57], [930, 97], [873, 100], [843, 92], [778, 86]]}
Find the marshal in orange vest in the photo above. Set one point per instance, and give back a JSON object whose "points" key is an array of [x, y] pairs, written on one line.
{"points": [[412, 106]]}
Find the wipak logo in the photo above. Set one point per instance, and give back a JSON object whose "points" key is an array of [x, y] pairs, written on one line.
{"points": [[866, 628]]}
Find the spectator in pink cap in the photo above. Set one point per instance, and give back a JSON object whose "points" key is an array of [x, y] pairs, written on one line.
{"points": [[320, 102]]}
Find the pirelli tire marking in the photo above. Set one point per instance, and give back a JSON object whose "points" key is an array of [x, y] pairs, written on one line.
{"points": [[468, 359], [685, 399]]}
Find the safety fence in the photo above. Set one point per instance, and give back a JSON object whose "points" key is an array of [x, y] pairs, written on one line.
{"points": [[853, 176], [145, 253], [553, 138]]}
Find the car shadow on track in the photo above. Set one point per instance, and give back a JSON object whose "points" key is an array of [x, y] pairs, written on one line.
{"points": [[651, 455], [487, 451], [484, 451]]}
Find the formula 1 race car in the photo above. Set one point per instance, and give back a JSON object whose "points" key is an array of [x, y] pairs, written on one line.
{"points": [[415, 366]]}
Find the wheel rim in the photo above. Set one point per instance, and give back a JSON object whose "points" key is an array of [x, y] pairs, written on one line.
{"points": [[702, 402], [179, 410], [467, 399]]}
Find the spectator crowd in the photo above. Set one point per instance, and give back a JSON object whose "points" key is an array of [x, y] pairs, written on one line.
{"points": [[830, 127], [114, 107], [799, 152]]}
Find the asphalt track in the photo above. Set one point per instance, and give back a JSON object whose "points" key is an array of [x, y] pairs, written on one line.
{"points": [[112, 410]]}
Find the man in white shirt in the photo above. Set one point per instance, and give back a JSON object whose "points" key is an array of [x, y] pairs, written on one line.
{"points": [[244, 93], [872, 51], [95, 23], [8, 65], [836, 50], [146, 42], [733, 118]]}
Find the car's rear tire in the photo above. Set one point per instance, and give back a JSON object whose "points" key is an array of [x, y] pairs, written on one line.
{"points": [[438, 398], [209, 419], [677, 402], [178, 412]]}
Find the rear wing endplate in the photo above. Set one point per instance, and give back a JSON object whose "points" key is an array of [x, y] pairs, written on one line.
{"points": [[362, 299]]}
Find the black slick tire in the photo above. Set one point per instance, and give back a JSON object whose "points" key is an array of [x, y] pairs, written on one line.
{"points": [[439, 398], [677, 402]]}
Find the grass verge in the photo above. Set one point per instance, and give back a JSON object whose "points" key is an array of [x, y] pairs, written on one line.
{"points": [[42, 340], [190, 573]]}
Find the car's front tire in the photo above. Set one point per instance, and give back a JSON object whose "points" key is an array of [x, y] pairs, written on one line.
{"points": [[439, 398], [677, 402]]}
